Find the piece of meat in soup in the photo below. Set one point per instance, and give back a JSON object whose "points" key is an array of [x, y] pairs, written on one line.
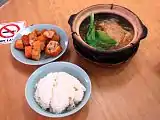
{"points": [[115, 31]]}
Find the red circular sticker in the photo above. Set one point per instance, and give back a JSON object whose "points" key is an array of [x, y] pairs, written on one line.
{"points": [[9, 30]]}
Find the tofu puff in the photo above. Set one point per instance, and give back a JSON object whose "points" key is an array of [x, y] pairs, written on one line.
{"points": [[56, 37], [53, 48], [36, 55], [19, 44], [52, 35], [37, 32], [49, 33], [32, 37], [37, 41], [31, 52], [43, 40], [28, 52], [36, 50], [25, 40]]}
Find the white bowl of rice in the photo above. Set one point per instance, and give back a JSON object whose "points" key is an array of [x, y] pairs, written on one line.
{"points": [[58, 89]]}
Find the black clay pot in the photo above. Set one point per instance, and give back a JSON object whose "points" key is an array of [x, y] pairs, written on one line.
{"points": [[109, 57]]}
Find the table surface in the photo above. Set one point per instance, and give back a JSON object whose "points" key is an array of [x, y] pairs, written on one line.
{"points": [[127, 92]]}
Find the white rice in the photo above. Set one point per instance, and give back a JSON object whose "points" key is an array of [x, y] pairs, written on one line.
{"points": [[59, 91]]}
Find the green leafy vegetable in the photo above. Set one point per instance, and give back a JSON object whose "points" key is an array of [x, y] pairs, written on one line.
{"points": [[90, 37], [97, 38], [104, 41]]}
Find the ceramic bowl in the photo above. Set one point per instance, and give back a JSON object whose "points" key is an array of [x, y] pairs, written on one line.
{"points": [[19, 55], [70, 68]]}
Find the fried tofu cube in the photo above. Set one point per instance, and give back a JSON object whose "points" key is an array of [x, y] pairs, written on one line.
{"points": [[25, 40], [36, 54], [49, 33], [43, 31], [37, 45], [42, 38], [19, 44], [56, 37], [57, 51], [37, 32], [28, 51], [32, 37], [53, 48], [36, 50]]}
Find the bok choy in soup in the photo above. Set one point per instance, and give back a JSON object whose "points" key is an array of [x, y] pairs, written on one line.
{"points": [[106, 33]]}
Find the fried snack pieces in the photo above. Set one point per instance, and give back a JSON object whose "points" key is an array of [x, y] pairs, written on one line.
{"points": [[36, 42]]}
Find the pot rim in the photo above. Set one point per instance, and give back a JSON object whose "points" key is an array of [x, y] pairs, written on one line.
{"points": [[112, 9]]}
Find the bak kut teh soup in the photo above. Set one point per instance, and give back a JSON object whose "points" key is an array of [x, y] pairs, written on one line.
{"points": [[106, 31]]}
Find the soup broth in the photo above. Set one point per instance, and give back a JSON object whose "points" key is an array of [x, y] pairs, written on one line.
{"points": [[115, 26]]}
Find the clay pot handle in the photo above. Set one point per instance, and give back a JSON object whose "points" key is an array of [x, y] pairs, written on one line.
{"points": [[145, 32], [71, 19]]}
